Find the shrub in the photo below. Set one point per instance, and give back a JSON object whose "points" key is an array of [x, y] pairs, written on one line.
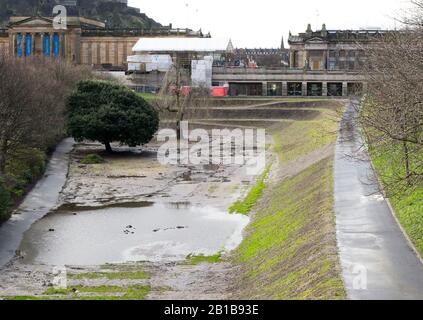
{"points": [[106, 112], [92, 159]]}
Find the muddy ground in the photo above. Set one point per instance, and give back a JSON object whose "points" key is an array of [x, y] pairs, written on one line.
{"points": [[134, 176]]}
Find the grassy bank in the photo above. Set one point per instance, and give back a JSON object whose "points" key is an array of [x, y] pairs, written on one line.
{"points": [[290, 249], [408, 204], [22, 172]]}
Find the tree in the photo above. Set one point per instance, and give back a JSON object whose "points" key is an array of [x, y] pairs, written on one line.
{"points": [[392, 115], [32, 104], [179, 104], [106, 112]]}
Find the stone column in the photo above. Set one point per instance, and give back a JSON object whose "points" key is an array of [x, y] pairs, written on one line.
{"points": [[32, 44], [23, 45], [365, 87], [61, 45], [13, 45], [304, 89], [324, 89], [291, 59], [326, 60], [264, 90], [284, 88], [307, 65], [344, 89], [42, 45]]}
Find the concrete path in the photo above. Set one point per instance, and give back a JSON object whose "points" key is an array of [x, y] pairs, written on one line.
{"points": [[377, 260], [41, 200]]}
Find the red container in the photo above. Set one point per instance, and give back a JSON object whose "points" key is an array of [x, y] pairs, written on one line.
{"points": [[220, 91]]}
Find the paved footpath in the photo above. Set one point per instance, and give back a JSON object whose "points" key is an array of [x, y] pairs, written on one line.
{"points": [[377, 260], [41, 200]]}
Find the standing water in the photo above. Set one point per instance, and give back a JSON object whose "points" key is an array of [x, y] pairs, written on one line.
{"points": [[151, 232]]}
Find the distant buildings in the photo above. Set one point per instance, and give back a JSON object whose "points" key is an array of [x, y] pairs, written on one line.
{"points": [[262, 57], [330, 49], [318, 63], [84, 41]]}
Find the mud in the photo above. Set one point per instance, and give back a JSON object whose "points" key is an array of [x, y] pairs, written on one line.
{"points": [[132, 181]]}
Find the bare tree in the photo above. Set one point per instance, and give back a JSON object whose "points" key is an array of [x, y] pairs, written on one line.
{"points": [[178, 101], [392, 115], [32, 104]]}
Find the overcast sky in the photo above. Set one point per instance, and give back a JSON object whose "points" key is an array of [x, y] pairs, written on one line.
{"points": [[262, 23]]}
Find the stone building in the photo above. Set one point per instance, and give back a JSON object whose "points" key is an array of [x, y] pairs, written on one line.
{"points": [[84, 41], [263, 57], [330, 49]]}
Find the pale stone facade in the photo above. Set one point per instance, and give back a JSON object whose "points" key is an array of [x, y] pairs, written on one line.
{"points": [[84, 41], [330, 49]]}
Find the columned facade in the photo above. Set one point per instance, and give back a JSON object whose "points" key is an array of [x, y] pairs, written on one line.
{"points": [[84, 41]]}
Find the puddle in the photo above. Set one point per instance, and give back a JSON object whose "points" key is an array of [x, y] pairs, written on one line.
{"points": [[155, 233]]}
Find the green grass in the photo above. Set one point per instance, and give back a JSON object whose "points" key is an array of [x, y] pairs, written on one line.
{"points": [[290, 250], [135, 292], [245, 206], [139, 275], [408, 204], [92, 159], [302, 137], [24, 298], [149, 96], [196, 260]]}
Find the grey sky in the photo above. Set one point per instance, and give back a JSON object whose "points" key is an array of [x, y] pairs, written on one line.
{"points": [[263, 23]]}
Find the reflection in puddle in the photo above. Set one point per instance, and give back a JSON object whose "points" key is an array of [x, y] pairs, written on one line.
{"points": [[160, 232]]}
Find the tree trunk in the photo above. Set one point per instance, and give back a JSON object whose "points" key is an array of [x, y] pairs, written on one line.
{"points": [[108, 147]]}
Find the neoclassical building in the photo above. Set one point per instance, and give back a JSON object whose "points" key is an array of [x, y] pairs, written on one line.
{"points": [[84, 41], [330, 49]]}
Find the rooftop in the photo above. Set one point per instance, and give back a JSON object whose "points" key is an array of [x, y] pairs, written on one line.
{"points": [[172, 44], [336, 35]]}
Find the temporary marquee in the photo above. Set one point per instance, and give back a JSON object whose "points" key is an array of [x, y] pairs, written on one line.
{"points": [[169, 44]]}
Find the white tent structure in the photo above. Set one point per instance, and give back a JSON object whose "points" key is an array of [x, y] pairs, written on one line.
{"points": [[169, 44]]}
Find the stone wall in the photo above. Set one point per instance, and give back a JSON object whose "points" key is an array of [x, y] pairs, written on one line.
{"points": [[4, 45], [106, 50]]}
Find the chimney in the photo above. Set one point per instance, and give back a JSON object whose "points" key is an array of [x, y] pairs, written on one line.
{"points": [[309, 31], [324, 31]]}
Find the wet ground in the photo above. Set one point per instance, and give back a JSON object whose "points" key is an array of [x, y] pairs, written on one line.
{"points": [[132, 209], [134, 213], [154, 233], [378, 261]]}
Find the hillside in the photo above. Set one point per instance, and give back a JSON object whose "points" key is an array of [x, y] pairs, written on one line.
{"points": [[116, 15]]}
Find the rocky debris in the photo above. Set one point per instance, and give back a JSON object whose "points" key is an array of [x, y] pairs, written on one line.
{"points": [[167, 229]]}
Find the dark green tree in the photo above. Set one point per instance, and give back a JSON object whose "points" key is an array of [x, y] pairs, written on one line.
{"points": [[107, 112]]}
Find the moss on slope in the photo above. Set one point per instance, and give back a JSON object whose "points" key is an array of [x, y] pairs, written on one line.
{"points": [[290, 251]]}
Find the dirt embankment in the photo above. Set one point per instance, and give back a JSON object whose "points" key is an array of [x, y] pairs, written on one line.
{"points": [[289, 250]]}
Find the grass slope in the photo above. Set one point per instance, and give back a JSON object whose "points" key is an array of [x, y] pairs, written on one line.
{"points": [[290, 249], [408, 205]]}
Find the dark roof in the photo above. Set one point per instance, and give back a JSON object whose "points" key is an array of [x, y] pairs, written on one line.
{"points": [[139, 32], [259, 51], [338, 35]]}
